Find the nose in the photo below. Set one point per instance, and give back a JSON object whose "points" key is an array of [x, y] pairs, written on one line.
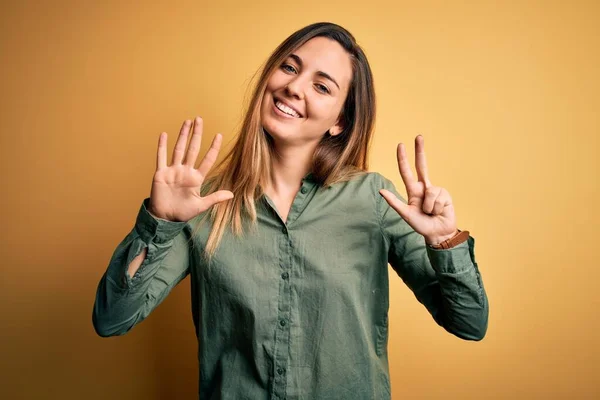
{"points": [[294, 89]]}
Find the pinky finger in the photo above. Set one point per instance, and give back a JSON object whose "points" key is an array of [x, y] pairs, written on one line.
{"points": [[161, 156]]}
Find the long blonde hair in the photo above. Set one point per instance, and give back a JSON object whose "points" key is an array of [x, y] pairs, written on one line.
{"points": [[246, 168]]}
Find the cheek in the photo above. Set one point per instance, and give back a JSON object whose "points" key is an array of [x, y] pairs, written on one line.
{"points": [[277, 80], [325, 109]]}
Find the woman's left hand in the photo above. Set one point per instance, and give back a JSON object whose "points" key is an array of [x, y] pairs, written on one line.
{"points": [[429, 210]]}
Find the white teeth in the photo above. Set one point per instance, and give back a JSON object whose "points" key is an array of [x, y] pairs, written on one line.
{"points": [[286, 109]]}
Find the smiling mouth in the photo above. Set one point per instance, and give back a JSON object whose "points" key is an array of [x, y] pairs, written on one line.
{"points": [[280, 106]]}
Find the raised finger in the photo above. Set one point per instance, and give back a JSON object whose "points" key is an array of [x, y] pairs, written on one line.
{"points": [[161, 154], [404, 167], [211, 155], [194, 146], [179, 149], [421, 161]]}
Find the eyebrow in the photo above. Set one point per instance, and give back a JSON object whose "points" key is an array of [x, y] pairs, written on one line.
{"points": [[320, 73]]}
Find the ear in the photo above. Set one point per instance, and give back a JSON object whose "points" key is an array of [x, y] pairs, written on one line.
{"points": [[338, 127]]}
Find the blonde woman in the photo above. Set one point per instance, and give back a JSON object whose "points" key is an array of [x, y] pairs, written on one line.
{"points": [[288, 239]]}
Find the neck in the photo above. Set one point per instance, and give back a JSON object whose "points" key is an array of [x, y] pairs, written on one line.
{"points": [[288, 167]]}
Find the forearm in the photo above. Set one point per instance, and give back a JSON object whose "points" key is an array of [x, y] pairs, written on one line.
{"points": [[145, 266], [137, 262], [118, 300], [459, 301]]}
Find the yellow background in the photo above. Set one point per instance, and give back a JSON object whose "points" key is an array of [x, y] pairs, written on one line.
{"points": [[506, 95]]}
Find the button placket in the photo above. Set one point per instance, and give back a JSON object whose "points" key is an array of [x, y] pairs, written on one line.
{"points": [[282, 330]]}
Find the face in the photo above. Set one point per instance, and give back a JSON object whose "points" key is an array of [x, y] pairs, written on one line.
{"points": [[305, 95]]}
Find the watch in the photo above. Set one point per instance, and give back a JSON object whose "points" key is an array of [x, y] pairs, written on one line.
{"points": [[460, 237]]}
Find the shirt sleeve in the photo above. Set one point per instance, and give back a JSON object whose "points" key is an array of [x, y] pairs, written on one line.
{"points": [[123, 301], [446, 281]]}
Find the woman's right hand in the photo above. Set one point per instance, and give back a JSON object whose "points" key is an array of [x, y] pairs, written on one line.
{"points": [[175, 194]]}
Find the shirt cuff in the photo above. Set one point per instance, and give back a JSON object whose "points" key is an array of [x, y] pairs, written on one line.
{"points": [[453, 260], [155, 229]]}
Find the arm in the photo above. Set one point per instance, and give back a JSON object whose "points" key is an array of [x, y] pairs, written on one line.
{"points": [[122, 301], [447, 282]]}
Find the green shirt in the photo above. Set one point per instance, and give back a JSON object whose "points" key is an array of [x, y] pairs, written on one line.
{"points": [[298, 309]]}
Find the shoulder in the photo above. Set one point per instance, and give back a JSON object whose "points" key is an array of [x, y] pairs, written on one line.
{"points": [[369, 181], [362, 188], [374, 180], [378, 181]]}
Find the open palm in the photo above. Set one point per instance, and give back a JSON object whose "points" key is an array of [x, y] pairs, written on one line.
{"points": [[175, 193], [429, 210]]}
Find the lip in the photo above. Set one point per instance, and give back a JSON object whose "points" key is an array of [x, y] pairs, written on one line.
{"points": [[276, 99]]}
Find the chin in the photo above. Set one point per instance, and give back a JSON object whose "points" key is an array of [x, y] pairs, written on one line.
{"points": [[276, 132]]}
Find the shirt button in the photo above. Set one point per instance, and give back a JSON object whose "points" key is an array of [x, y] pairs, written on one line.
{"points": [[304, 189], [280, 371], [284, 229], [285, 275], [282, 322]]}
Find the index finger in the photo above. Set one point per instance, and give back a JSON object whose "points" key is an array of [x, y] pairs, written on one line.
{"points": [[404, 166], [211, 155]]}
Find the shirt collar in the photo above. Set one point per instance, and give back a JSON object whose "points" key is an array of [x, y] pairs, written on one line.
{"points": [[309, 177]]}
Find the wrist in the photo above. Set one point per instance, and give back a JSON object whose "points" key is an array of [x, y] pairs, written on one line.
{"points": [[153, 213], [458, 238], [436, 240]]}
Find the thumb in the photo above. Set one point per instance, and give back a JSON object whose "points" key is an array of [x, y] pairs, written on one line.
{"points": [[394, 202], [217, 197]]}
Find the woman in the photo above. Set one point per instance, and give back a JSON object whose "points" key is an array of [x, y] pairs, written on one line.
{"points": [[288, 256]]}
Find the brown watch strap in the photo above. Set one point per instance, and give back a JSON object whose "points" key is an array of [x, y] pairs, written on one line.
{"points": [[460, 237]]}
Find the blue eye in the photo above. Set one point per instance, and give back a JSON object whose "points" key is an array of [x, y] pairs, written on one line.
{"points": [[285, 66], [290, 68], [322, 88]]}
